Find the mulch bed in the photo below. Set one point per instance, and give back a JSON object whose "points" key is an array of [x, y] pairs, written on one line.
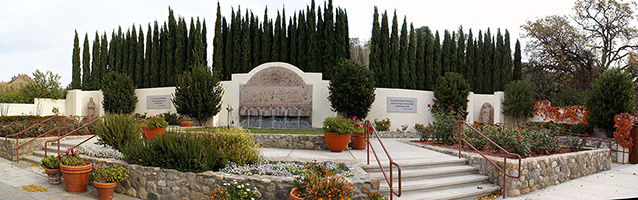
{"points": [[486, 151]]}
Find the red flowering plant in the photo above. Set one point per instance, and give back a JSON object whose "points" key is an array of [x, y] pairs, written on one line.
{"points": [[358, 127], [624, 123], [323, 185], [443, 126]]}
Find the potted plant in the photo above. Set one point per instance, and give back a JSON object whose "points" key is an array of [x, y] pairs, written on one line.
{"points": [[154, 125], [185, 122], [105, 179], [52, 166], [337, 132], [75, 171], [358, 137], [321, 185]]}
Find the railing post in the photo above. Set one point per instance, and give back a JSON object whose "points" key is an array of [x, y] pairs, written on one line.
{"points": [[505, 172]]}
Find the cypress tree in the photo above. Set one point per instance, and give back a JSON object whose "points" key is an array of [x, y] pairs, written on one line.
{"points": [[265, 39], [172, 47], [86, 64], [292, 39], [112, 52], [276, 49], [497, 64], [95, 63], [132, 54], [446, 54], [506, 73], [256, 41], [285, 50], [420, 79], [342, 35], [245, 45], [395, 70], [469, 61], [139, 60], [204, 46], [412, 71], [181, 42], [155, 57], [375, 50], [200, 46], [147, 79], [104, 52], [460, 54], [218, 47], [76, 81], [228, 50], [163, 73], [488, 70], [302, 39], [430, 73], [404, 64], [385, 51], [119, 51], [125, 52], [312, 47], [518, 65], [436, 48], [328, 41], [479, 60]]}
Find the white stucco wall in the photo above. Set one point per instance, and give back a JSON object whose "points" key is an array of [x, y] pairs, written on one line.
{"points": [[40, 106]]}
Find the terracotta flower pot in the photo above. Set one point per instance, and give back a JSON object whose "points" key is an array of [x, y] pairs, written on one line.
{"points": [[337, 142], [150, 133], [358, 141], [105, 190], [54, 175], [186, 123], [76, 178], [294, 194]]}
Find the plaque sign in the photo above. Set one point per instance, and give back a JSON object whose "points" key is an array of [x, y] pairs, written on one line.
{"points": [[401, 104], [158, 102]]}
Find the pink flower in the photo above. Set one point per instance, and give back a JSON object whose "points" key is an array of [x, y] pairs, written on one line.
{"points": [[519, 138], [354, 117]]}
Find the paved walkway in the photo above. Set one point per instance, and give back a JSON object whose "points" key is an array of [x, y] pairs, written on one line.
{"points": [[619, 182]]}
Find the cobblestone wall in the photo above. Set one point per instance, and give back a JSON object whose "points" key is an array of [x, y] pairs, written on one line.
{"points": [[537, 172], [291, 141]]}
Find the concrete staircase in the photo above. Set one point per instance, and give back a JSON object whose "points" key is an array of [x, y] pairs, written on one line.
{"points": [[52, 149], [434, 178]]}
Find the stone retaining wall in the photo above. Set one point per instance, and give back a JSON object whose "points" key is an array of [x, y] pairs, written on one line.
{"points": [[399, 134], [27, 150], [156, 183], [291, 141], [536, 172]]}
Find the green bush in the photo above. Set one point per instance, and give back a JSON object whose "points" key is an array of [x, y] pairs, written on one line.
{"points": [[198, 94], [351, 89], [194, 152], [338, 125], [519, 100], [171, 118], [117, 130], [573, 143], [580, 128], [154, 122], [443, 126], [612, 93], [382, 125], [119, 93], [452, 91]]}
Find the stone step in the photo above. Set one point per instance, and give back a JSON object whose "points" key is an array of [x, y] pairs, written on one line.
{"points": [[427, 173], [33, 159], [467, 192], [435, 184], [415, 164]]}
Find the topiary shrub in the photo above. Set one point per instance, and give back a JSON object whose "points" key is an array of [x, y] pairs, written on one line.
{"points": [[519, 100], [351, 89], [119, 93], [117, 130], [612, 94], [198, 94], [452, 91]]}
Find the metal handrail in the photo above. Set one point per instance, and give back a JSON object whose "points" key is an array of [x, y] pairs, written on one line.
{"points": [[610, 143], [369, 128], [69, 133], [17, 148], [503, 170]]}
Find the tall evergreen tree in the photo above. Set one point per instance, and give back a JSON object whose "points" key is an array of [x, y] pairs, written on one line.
{"points": [[155, 57], [436, 48], [497, 65], [460, 54], [119, 51], [245, 45], [506, 61], [412, 71], [394, 54], [256, 41], [181, 43], [104, 52], [95, 63], [375, 49], [139, 60], [228, 49], [86, 64], [479, 56], [518, 65], [76, 81], [284, 50], [430, 73], [404, 64], [292, 35], [328, 40], [112, 52], [488, 70], [163, 68], [266, 38], [446, 53], [132, 54], [276, 48], [218, 47], [124, 49], [342, 35], [469, 61], [420, 59], [171, 47], [148, 71], [312, 47]]}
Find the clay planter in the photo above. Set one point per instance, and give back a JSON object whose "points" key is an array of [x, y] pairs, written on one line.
{"points": [[54, 175], [358, 141], [76, 178], [337, 142], [294, 194], [186, 123], [150, 133], [105, 190]]}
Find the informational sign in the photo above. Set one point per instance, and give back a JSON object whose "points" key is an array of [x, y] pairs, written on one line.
{"points": [[401, 104], [158, 102]]}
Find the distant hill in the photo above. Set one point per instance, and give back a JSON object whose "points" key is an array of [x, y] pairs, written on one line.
{"points": [[15, 83]]}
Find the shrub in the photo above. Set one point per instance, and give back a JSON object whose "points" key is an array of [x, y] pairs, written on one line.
{"points": [[338, 125], [382, 125], [519, 100], [111, 174], [154, 122], [612, 93], [323, 185], [236, 145], [119, 93], [452, 90], [574, 143], [72, 158], [51, 162], [235, 191], [198, 94], [116, 130], [443, 127], [351, 89], [171, 118]]}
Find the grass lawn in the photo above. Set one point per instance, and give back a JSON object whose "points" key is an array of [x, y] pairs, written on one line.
{"points": [[272, 131]]}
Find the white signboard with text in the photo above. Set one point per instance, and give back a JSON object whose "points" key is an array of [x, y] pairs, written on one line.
{"points": [[401, 104], [158, 102]]}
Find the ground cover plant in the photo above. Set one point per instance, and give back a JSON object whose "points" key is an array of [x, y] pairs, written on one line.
{"points": [[286, 168]]}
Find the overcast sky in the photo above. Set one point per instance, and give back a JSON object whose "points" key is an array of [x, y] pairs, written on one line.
{"points": [[38, 34]]}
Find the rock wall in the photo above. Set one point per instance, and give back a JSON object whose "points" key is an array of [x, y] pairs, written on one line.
{"points": [[290, 141], [536, 172]]}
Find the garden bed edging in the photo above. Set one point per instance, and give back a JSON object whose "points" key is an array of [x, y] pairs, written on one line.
{"points": [[536, 172]]}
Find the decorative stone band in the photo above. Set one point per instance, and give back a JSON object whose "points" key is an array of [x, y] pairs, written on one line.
{"points": [[156, 183], [536, 172]]}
